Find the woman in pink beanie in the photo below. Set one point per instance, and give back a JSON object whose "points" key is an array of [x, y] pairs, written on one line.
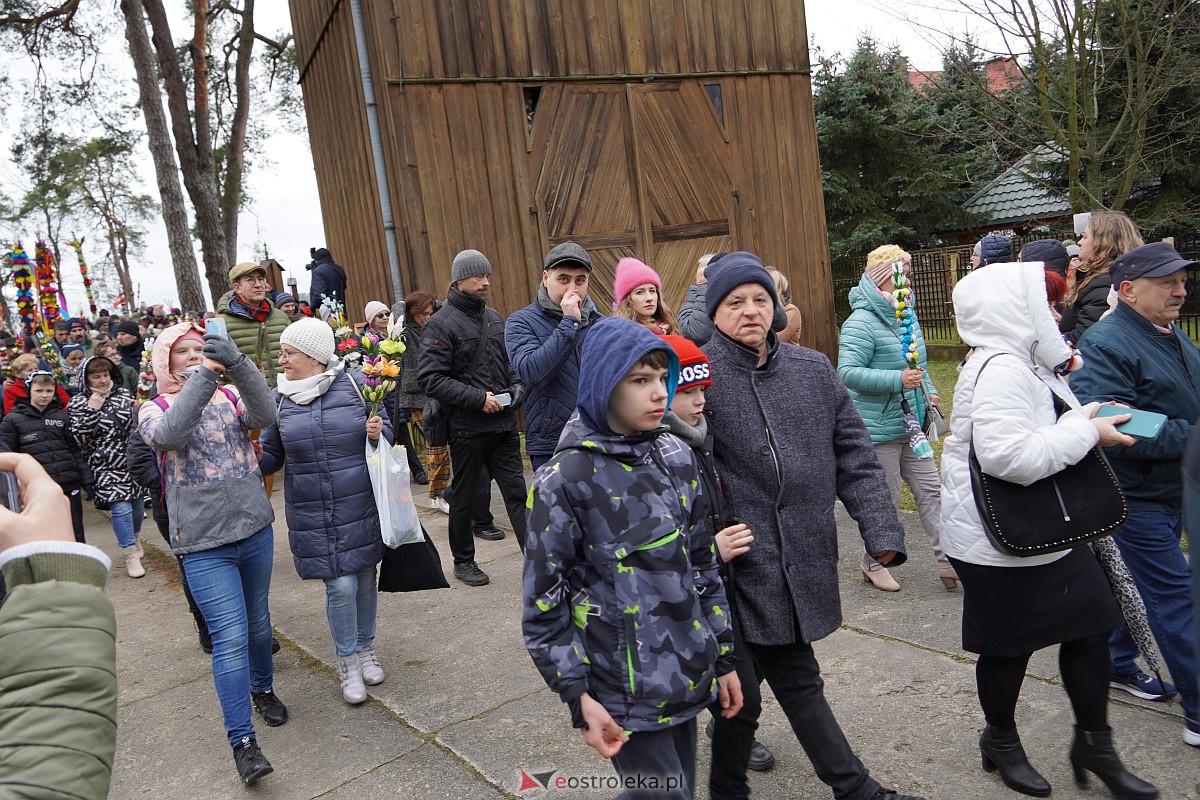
{"points": [[638, 293]]}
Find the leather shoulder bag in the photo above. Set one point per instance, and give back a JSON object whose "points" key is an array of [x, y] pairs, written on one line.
{"points": [[1076, 505]]}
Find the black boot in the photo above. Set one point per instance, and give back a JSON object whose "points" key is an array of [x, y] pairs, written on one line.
{"points": [[1093, 751], [251, 763], [1002, 751], [202, 632]]}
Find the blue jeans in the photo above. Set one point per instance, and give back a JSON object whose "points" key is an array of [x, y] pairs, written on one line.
{"points": [[537, 461], [350, 603], [230, 585], [1149, 543], [127, 520]]}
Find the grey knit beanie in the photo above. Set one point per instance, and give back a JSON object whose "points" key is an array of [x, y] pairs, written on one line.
{"points": [[468, 264]]}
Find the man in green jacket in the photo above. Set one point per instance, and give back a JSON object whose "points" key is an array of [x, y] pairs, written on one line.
{"points": [[253, 320], [58, 653]]}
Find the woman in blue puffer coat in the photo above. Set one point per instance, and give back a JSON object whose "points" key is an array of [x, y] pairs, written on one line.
{"points": [[321, 434], [872, 365]]}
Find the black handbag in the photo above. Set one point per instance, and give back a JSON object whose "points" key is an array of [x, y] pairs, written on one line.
{"points": [[1076, 505], [412, 568]]}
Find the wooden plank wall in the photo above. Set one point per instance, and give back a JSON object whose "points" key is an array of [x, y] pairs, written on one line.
{"points": [[466, 171], [341, 150], [533, 38]]}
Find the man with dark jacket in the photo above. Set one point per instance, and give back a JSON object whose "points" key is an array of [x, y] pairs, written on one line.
{"points": [[129, 344], [328, 280], [1139, 357], [769, 404], [479, 402], [544, 340]]}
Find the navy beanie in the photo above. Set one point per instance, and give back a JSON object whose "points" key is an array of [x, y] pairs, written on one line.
{"points": [[737, 269]]}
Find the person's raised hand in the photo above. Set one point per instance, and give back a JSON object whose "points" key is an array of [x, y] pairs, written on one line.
{"points": [[602, 732], [572, 305], [222, 350], [45, 511]]}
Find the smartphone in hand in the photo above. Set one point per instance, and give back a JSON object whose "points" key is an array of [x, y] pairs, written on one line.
{"points": [[1141, 424], [504, 399], [216, 326], [10, 492]]}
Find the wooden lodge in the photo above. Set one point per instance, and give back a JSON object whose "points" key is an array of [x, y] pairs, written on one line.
{"points": [[662, 129]]}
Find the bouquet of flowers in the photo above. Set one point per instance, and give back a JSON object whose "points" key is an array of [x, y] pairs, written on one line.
{"points": [[347, 343], [380, 370]]}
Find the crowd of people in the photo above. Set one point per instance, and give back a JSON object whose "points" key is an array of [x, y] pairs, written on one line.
{"points": [[677, 552]]}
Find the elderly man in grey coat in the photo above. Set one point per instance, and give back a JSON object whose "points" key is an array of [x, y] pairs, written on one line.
{"points": [[788, 442]]}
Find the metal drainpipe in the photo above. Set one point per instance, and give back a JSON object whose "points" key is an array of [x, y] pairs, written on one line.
{"points": [[381, 178]]}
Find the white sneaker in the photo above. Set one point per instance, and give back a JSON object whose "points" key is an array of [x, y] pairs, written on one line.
{"points": [[439, 504], [1191, 737], [372, 671], [350, 670], [133, 561]]}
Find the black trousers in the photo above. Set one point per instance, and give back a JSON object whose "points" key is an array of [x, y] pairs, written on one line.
{"points": [[75, 495], [794, 676], [165, 532], [481, 505], [733, 738], [658, 765], [500, 453]]}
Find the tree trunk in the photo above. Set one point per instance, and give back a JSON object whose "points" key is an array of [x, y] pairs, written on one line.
{"points": [[195, 158], [235, 150], [179, 237]]}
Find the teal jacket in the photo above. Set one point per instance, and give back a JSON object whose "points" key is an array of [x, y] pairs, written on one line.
{"points": [[870, 362], [58, 680]]}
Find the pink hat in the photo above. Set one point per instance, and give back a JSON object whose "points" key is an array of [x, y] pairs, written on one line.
{"points": [[631, 274]]}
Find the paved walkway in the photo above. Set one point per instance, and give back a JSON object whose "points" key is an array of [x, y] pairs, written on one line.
{"points": [[463, 710]]}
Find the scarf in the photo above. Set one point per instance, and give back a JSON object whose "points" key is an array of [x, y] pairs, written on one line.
{"points": [[258, 313], [304, 390], [692, 435]]}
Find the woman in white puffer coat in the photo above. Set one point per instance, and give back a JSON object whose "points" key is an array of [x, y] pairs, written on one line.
{"points": [[1014, 606]]}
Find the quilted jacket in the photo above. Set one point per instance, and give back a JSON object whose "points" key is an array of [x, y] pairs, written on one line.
{"points": [[870, 361]]}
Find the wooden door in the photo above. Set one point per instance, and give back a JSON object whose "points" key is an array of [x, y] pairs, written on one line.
{"points": [[585, 188], [683, 178], [632, 170]]}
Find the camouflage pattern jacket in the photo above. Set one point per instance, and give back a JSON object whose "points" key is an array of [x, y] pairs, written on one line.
{"points": [[623, 597]]}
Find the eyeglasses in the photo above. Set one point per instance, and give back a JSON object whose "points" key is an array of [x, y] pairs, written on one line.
{"points": [[284, 355], [253, 279]]}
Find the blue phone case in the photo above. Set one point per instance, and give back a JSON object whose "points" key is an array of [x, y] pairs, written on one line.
{"points": [[1141, 424]]}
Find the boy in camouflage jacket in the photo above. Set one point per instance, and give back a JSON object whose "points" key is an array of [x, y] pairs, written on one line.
{"points": [[625, 614]]}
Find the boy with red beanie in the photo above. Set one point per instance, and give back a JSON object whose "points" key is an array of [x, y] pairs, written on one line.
{"points": [[685, 419]]}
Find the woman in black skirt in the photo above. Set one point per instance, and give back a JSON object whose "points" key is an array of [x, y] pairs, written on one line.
{"points": [[1013, 606]]}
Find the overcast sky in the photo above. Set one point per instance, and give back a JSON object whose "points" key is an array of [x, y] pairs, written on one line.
{"points": [[284, 210]]}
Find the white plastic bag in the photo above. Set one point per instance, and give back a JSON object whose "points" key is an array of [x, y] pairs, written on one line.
{"points": [[398, 520]]}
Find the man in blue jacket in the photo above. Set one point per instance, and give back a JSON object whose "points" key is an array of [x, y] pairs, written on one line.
{"points": [[544, 340], [1139, 357]]}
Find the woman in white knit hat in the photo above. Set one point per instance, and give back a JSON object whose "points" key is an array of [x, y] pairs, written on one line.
{"points": [[321, 433], [378, 315]]}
